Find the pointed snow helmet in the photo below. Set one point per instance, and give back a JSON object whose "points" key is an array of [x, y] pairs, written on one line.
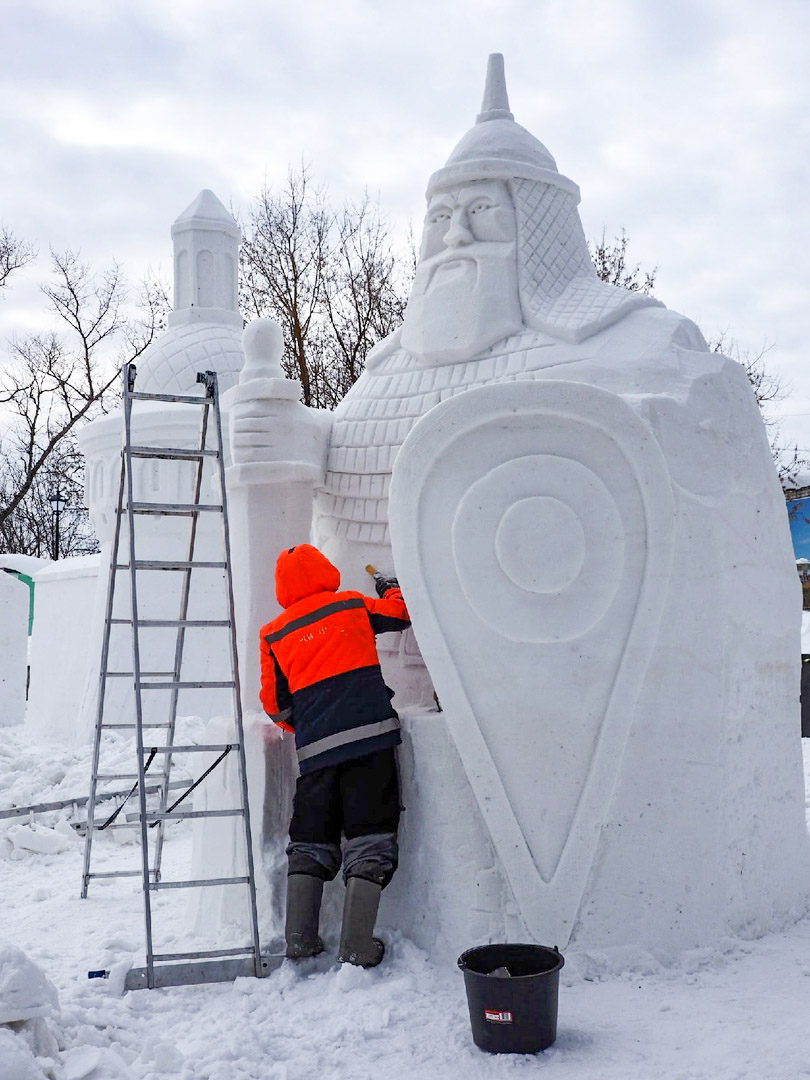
{"points": [[496, 148]]}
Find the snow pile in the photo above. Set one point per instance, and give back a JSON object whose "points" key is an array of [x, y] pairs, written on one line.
{"points": [[736, 1011], [25, 993], [29, 1011]]}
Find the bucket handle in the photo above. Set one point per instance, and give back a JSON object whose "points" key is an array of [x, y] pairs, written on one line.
{"points": [[463, 967]]}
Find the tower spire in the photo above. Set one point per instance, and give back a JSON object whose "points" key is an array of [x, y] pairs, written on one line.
{"points": [[495, 105], [206, 261]]}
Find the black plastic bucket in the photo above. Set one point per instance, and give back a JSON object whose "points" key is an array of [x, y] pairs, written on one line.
{"points": [[512, 993]]}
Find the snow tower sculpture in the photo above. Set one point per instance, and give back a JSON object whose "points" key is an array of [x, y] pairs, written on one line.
{"points": [[584, 515], [204, 333]]}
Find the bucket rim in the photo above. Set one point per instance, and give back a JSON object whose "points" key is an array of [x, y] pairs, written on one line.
{"points": [[553, 949]]}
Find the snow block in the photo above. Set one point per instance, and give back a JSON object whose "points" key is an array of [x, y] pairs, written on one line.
{"points": [[14, 599], [61, 645], [25, 991]]}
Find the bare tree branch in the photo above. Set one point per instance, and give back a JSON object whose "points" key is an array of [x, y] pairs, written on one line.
{"points": [[14, 254], [610, 262], [330, 277], [52, 383]]}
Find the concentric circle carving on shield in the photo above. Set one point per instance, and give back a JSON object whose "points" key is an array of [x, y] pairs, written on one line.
{"points": [[539, 549]]}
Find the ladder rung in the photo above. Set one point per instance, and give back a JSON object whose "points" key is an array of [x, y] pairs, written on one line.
{"points": [[174, 564], [187, 399], [170, 453], [181, 814], [196, 884], [131, 674], [187, 686], [209, 747], [131, 727], [202, 624], [248, 951], [167, 509], [127, 776], [117, 873], [178, 564]]}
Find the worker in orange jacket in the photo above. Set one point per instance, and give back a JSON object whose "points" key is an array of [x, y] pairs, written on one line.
{"points": [[321, 679]]}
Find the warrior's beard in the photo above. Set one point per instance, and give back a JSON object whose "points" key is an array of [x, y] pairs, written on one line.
{"points": [[462, 302]]}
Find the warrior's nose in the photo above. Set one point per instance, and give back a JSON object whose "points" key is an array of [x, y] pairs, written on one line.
{"points": [[459, 233]]}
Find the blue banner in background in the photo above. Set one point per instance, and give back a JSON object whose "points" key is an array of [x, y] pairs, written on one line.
{"points": [[799, 517]]}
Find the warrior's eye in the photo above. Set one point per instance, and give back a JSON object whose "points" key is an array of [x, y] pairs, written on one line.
{"points": [[439, 215], [482, 204]]}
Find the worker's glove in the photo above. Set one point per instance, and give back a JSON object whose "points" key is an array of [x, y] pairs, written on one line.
{"points": [[382, 584]]}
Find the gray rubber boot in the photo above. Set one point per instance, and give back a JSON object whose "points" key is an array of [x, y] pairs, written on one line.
{"points": [[304, 892], [357, 946]]}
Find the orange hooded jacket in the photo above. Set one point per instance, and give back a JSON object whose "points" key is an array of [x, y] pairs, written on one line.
{"points": [[320, 671]]}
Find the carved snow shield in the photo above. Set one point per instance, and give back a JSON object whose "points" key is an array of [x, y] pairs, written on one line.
{"points": [[532, 527]]}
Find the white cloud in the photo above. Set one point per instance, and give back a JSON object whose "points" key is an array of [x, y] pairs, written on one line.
{"points": [[688, 123]]}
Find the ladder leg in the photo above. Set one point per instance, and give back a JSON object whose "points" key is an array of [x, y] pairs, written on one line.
{"points": [[102, 679], [136, 669], [237, 693]]}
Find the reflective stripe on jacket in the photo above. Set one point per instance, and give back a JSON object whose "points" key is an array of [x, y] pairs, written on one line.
{"points": [[320, 672]]}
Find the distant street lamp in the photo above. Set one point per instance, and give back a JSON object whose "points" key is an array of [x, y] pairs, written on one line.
{"points": [[58, 503]]}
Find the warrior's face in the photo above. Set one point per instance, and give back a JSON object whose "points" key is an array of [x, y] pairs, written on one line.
{"points": [[465, 293]]}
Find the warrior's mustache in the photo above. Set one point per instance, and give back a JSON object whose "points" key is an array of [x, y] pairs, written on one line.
{"points": [[450, 266]]}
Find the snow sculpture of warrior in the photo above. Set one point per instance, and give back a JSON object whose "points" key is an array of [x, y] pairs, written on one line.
{"points": [[592, 540]]}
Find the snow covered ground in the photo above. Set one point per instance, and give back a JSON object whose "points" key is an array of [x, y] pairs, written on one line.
{"points": [[737, 1012]]}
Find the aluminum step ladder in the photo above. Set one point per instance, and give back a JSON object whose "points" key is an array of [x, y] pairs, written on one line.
{"points": [[179, 968]]}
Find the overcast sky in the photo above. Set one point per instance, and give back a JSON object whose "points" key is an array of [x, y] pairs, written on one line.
{"points": [[686, 122]]}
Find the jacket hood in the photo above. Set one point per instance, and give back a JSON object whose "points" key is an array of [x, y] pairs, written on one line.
{"points": [[303, 571]]}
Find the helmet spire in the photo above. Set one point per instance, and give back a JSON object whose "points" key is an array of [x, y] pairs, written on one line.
{"points": [[495, 105]]}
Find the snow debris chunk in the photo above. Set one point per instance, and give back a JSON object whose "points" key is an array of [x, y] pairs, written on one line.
{"points": [[39, 1037], [25, 991], [94, 1063], [28, 1002], [38, 839], [118, 975], [165, 1057], [16, 1060], [64, 828], [349, 977]]}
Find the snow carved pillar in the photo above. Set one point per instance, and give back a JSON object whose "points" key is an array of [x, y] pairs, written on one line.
{"points": [[277, 454], [278, 451]]}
